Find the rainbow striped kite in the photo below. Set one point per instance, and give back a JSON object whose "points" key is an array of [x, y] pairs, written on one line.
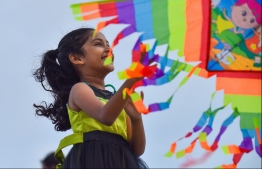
{"points": [[201, 31]]}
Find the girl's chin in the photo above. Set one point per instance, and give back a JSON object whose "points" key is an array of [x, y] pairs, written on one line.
{"points": [[110, 67]]}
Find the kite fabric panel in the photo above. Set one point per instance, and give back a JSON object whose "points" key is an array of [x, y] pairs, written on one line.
{"points": [[223, 35]]}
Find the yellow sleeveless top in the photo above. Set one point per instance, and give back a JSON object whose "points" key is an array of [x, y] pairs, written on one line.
{"points": [[82, 123]]}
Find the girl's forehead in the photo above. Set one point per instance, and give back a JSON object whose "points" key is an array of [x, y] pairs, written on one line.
{"points": [[98, 35]]}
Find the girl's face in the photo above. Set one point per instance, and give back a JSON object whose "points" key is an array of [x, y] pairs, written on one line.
{"points": [[96, 50], [243, 17]]}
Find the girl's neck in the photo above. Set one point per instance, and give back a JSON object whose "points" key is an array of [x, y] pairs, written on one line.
{"points": [[95, 81]]}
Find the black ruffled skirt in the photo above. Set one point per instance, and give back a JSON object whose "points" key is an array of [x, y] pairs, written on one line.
{"points": [[103, 150]]}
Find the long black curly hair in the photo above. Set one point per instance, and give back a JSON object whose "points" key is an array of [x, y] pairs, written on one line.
{"points": [[57, 70]]}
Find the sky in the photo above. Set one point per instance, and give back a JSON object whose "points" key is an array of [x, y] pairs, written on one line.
{"points": [[29, 28]]}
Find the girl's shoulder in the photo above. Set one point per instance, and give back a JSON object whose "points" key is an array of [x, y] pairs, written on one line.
{"points": [[80, 84], [80, 87], [79, 93]]}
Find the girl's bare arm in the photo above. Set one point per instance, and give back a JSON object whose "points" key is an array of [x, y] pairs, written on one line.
{"points": [[83, 98]]}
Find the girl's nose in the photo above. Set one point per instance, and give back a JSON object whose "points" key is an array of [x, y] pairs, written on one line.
{"points": [[107, 49]]}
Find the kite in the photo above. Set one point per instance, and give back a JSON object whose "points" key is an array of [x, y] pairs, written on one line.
{"points": [[226, 44]]}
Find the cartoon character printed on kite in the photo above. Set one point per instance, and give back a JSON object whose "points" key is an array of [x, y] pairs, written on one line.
{"points": [[253, 44], [239, 30], [250, 18], [225, 56], [245, 14]]}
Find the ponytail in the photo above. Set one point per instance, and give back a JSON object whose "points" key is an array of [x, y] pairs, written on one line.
{"points": [[57, 75], [48, 65], [52, 72]]}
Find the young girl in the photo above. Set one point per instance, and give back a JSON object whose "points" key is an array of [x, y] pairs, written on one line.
{"points": [[108, 131]]}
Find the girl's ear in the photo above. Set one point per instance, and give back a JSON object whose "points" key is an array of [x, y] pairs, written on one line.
{"points": [[76, 59]]}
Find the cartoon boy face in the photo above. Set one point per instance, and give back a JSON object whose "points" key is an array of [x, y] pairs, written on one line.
{"points": [[243, 17]]}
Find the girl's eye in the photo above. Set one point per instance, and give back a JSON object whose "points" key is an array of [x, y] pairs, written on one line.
{"points": [[252, 20], [244, 13], [98, 44]]}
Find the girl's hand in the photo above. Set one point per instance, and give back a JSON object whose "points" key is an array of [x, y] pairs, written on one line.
{"points": [[131, 110]]}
